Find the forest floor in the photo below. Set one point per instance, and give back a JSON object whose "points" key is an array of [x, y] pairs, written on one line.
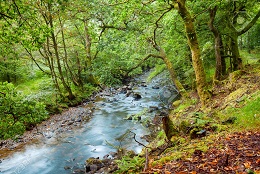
{"points": [[223, 137]]}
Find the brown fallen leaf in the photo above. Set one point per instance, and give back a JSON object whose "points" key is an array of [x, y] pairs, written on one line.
{"points": [[258, 161], [247, 164], [214, 162], [250, 154], [182, 172], [167, 172], [228, 168]]}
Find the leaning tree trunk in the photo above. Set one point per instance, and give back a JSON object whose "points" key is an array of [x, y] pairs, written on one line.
{"points": [[220, 61], [162, 55], [195, 50], [173, 75]]}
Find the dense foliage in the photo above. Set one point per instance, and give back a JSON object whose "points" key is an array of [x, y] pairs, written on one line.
{"points": [[81, 44], [17, 112]]}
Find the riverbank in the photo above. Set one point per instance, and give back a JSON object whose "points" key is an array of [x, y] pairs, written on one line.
{"points": [[67, 120], [95, 129], [223, 137]]}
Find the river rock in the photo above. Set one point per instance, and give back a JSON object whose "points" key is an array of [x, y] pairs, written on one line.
{"points": [[137, 96], [155, 87], [113, 154], [123, 90], [153, 108], [128, 93], [67, 167], [70, 122], [79, 171], [106, 156]]}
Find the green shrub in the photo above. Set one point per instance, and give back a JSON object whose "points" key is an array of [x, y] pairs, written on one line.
{"points": [[130, 165], [17, 112]]}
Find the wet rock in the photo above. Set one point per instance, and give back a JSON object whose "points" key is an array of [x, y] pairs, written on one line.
{"points": [[153, 108], [106, 156], [112, 169], [93, 167], [79, 171], [70, 122], [123, 90], [143, 84], [155, 87], [113, 154], [129, 87], [78, 119], [128, 93], [137, 96], [67, 167]]}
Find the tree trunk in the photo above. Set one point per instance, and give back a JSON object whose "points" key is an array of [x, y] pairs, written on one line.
{"points": [[173, 75], [220, 61], [170, 68], [88, 61], [236, 60], [195, 50], [55, 47], [66, 66]]}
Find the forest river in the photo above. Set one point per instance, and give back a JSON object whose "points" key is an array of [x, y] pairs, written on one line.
{"points": [[93, 138]]}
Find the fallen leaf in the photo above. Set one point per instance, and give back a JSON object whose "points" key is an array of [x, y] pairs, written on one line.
{"points": [[247, 164], [250, 154], [167, 172], [193, 172], [228, 168], [258, 161], [214, 162], [257, 171], [182, 172]]}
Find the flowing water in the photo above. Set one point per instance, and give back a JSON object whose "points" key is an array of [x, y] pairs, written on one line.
{"points": [[94, 139]]}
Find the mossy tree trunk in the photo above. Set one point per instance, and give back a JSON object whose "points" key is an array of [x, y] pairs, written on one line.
{"points": [[195, 50], [172, 72], [162, 55], [235, 33], [236, 60]]}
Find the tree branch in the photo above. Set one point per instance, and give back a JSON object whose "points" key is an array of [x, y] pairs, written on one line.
{"points": [[35, 61], [157, 23], [250, 24], [138, 141], [2, 14], [142, 61]]}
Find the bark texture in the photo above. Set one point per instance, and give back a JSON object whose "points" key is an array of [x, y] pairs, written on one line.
{"points": [[195, 50], [220, 61]]}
